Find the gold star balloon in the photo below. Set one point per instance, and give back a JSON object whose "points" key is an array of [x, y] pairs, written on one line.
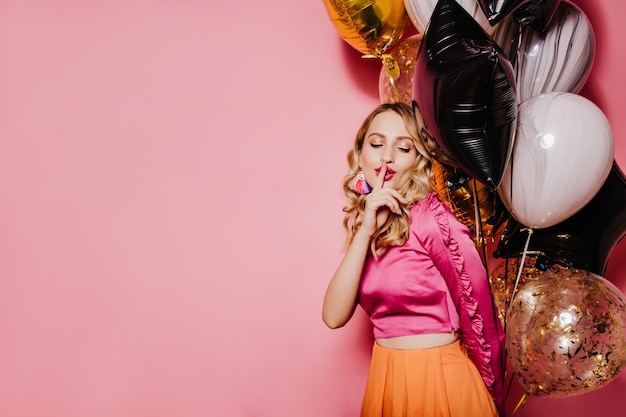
{"points": [[370, 26]]}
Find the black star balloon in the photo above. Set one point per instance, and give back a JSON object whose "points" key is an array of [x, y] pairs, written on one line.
{"points": [[584, 240], [496, 10], [464, 87], [536, 13]]}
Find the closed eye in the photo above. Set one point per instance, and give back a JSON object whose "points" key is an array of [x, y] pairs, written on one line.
{"points": [[376, 145]]}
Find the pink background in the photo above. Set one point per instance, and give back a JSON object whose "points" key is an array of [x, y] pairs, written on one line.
{"points": [[170, 207]]}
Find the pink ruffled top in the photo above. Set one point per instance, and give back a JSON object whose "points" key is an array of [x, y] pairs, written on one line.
{"points": [[436, 283]]}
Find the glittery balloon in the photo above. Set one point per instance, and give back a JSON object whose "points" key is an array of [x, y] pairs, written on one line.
{"points": [[400, 89], [566, 333]]}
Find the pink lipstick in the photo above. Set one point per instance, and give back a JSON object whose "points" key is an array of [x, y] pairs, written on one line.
{"points": [[388, 175]]}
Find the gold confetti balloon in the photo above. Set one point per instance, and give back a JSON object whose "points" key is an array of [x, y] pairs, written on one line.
{"points": [[566, 333], [400, 89], [369, 26]]}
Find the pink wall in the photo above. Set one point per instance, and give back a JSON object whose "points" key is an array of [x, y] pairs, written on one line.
{"points": [[170, 207]]}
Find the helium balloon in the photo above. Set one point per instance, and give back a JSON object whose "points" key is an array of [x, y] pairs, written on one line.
{"points": [[464, 87], [369, 26], [536, 13], [503, 279], [558, 59], [563, 154], [473, 204], [392, 90], [556, 244], [420, 11], [584, 240], [496, 10], [566, 333]]}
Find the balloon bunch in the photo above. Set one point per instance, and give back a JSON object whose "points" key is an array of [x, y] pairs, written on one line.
{"points": [[520, 157], [504, 107]]}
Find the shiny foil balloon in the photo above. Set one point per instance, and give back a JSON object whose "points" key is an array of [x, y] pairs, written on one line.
{"points": [[563, 153], [496, 10], [473, 204], [556, 60], [584, 240], [503, 276], [566, 333], [536, 13], [420, 11], [369, 26], [400, 89], [465, 90]]}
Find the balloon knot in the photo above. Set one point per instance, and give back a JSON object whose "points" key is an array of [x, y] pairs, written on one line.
{"points": [[391, 66]]}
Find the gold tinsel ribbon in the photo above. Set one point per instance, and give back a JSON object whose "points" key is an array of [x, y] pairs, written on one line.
{"points": [[391, 68], [521, 402]]}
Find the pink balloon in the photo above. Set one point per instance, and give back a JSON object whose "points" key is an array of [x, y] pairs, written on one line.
{"points": [[562, 154], [566, 333], [556, 60]]}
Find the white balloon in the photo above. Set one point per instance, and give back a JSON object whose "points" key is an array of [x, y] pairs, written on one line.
{"points": [[420, 11], [562, 154], [558, 60]]}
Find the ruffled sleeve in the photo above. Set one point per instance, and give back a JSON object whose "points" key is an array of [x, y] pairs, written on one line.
{"points": [[455, 256]]}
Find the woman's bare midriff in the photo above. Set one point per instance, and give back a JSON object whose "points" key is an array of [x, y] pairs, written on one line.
{"points": [[418, 341]]}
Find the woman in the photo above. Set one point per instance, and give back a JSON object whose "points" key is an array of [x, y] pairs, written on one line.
{"points": [[413, 268]]}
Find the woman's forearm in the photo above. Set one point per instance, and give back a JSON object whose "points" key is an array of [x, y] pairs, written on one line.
{"points": [[341, 295]]}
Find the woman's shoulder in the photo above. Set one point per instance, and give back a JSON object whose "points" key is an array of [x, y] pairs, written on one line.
{"points": [[430, 215], [431, 204]]}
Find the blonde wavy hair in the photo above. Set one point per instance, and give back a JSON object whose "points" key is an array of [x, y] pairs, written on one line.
{"points": [[395, 231]]}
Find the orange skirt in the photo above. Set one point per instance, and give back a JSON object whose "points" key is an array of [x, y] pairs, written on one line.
{"points": [[435, 382]]}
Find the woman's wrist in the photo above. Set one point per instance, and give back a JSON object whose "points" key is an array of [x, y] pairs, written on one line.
{"points": [[362, 235]]}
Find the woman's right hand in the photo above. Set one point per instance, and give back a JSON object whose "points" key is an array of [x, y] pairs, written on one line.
{"points": [[379, 203]]}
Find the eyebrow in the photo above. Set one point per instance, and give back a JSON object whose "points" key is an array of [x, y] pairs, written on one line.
{"points": [[396, 139]]}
